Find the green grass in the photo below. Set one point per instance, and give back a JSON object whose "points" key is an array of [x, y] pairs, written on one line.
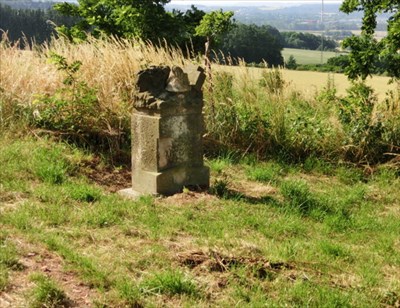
{"points": [[170, 282], [8, 259], [273, 234], [303, 56], [46, 293]]}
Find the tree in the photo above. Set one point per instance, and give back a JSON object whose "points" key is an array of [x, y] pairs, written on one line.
{"points": [[142, 19], [254, 43], [366, 51], [291, 63], [212, 26]]}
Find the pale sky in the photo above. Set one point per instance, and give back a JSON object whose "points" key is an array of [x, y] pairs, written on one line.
{"points": [[249, 2]]}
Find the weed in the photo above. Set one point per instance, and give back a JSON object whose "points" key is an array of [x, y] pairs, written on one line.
{"points": [[298, 196], [46, 293], [48, 166], [269, 173], [220, 164], [73, 108], [171, 283], [386, 175], [305, 293], [272, 80], [8, 256], [79, 99], [3, 277], [84, 192], [220, 188], [80, 263], [314, 164], [129, 293], [349, 175], [356, 115], [334, 250]]}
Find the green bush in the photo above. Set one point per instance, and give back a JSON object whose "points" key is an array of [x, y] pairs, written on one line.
{"points": [[74, 111], [363, 134]]}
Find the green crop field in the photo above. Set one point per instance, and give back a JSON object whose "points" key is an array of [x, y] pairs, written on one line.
{"points": [[303, 56]]}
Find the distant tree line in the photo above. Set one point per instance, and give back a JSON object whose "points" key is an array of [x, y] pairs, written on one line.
{"points": [[36, 24], [310, 41]]}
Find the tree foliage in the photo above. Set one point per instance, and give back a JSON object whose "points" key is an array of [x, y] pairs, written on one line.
{"points": [[254, 44], [366, 51], [142, 19], [212, 26]]}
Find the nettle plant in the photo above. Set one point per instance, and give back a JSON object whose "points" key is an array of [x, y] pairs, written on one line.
{"points": [[72, 108]]}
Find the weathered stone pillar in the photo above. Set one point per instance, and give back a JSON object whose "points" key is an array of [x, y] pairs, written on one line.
{"points": [[167, 129]]}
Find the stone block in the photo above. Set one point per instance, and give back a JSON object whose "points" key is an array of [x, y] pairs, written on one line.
{"points": [[167, 128]]}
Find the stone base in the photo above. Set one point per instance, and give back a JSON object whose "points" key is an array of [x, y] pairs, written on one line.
{"points": [[171, 181], [130, 193]]}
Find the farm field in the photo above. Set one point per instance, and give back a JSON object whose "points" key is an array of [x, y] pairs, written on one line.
{"points": [[309, 82], [303, 56]]}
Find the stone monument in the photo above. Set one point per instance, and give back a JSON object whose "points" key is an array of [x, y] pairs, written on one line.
{"points": [[167, 129]]}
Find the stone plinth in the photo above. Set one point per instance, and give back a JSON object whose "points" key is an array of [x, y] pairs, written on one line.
{"points": [[167, 129]]}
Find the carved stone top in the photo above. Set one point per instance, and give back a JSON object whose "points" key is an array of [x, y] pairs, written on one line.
{"points": [[153, 79], [160, 86], [178, 81]]}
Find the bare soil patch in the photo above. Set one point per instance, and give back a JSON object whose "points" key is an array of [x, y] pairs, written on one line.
{"points": [[36, 259], [110, 178], [186, 198]]}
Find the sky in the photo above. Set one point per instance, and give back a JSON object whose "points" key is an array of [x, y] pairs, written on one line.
{"points": [[257, 3], [253, 2]]}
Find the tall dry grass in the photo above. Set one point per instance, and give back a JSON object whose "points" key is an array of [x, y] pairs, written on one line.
{"points": [[244, 111], [109, 66], [31, 82]]}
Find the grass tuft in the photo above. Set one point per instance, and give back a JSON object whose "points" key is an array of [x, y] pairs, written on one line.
{"points": [[46, 293], [172, 282], [298, 196]]}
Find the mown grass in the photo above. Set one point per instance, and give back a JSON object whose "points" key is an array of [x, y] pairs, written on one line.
{"points": [[316, 234]]}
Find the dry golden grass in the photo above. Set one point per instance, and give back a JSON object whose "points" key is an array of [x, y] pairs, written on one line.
{"points": [[109, 66]]}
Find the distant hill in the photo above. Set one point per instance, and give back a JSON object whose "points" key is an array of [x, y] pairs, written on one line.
{"points": [[296, 17]]}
